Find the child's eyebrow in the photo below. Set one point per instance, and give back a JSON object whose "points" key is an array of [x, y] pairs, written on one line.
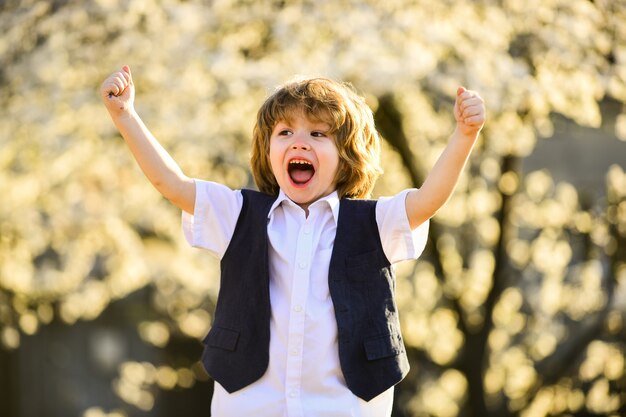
{"points": [[319, 123], [315, 124], [282, 123]]}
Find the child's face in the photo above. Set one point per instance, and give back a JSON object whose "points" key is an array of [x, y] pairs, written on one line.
{"points": [[304, 159]]}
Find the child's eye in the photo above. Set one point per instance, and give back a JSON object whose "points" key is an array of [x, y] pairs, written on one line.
{"points": [[318, 134], [284, 133]]}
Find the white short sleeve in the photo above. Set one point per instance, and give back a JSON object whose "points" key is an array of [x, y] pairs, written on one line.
{"points": [[399, 241], [215, 216]]}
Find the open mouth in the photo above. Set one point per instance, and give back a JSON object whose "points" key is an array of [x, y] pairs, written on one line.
{"points": [[300, 171]]}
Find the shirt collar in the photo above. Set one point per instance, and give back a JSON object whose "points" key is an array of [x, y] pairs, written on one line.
{"points": [[331, 199]]}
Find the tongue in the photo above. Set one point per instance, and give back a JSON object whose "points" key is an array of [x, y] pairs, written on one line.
{"points": [[300, 176]]}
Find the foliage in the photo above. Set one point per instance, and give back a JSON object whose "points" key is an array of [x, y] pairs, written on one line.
{"points": [[517, 307]]}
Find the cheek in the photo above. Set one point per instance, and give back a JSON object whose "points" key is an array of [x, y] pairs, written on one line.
{"points": [[340, 172], [335, 160]]}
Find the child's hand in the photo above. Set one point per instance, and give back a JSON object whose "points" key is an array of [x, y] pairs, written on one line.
{"points": [[469, 112], [118, 92]]}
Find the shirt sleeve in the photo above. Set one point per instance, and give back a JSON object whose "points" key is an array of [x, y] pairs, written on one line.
{"points": [[399, 241], [216, 211]]}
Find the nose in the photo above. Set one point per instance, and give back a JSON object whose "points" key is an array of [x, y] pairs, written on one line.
{"points": [[301, 145], [300, 142]]}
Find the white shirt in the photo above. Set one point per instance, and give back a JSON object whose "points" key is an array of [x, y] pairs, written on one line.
{"points": [[304, 377]]}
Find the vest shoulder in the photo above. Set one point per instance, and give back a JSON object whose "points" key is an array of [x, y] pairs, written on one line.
{"points": [[355, 204], [254, 196]]}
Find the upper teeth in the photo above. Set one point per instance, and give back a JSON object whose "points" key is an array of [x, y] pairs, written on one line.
{"points": [[299, 161]]}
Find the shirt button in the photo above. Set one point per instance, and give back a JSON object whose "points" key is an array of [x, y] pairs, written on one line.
{"points": [[302, 265], [293, 394], [307, 230], [297, 308], [295, 352]]}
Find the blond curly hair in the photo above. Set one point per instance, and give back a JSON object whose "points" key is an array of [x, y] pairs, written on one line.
{"points": [[351, 123]]}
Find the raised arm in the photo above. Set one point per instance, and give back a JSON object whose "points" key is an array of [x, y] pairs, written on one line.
{"points": [[118, 94], [469, 112]]}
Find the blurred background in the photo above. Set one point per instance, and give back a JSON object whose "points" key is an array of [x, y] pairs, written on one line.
{"points": [[516, 308]]}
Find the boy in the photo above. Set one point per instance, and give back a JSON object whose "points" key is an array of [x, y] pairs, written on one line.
{"points": [[305, 322]]}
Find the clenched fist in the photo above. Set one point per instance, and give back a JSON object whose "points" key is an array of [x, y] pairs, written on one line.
{"points": [[118, 92], [469, 112]]}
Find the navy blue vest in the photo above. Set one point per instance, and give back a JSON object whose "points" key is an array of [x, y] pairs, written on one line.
{"points": [[361, 283]]}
